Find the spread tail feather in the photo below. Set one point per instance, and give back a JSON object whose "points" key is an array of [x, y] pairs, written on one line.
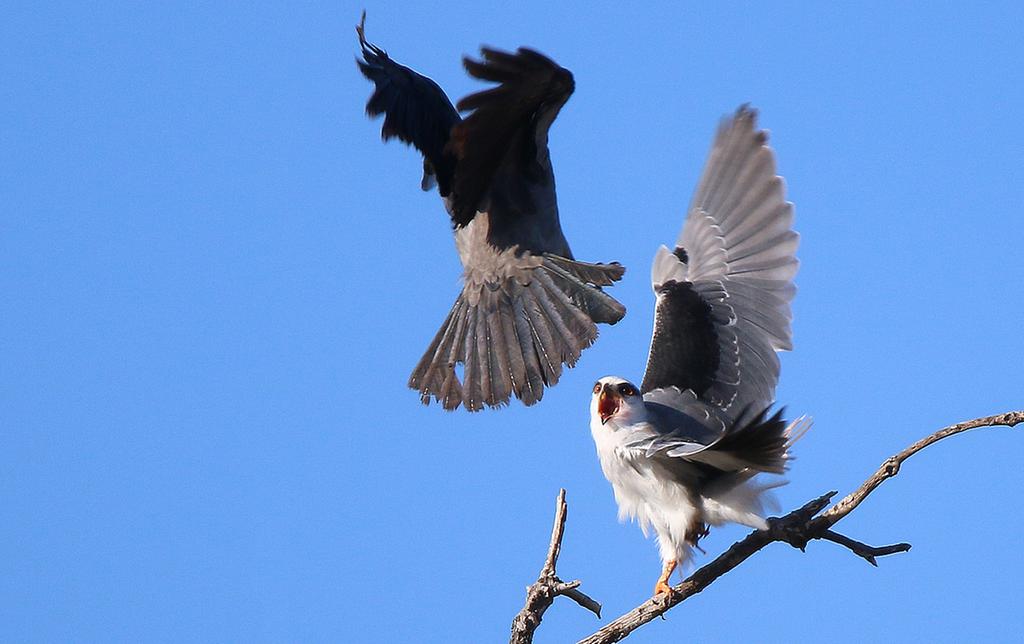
{"points": [[758, 444], [512, 337]]}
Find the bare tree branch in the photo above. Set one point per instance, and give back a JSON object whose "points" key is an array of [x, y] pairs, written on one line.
{"points": [[796, 528], [891, 466], [542, 593]]}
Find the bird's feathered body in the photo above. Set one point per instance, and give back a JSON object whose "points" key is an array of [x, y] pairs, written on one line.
{"points": [[527, 307], [682, 450], [676, 471]]}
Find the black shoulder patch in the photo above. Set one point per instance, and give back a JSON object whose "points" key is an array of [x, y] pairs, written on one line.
{"points": [[681, 255], [684, 349]]}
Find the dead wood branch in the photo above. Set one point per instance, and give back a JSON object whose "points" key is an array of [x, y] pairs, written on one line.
{"points": [[542, 593]]}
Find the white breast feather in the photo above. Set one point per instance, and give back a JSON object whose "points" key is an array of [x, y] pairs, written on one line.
{"points": [[641, 494]]}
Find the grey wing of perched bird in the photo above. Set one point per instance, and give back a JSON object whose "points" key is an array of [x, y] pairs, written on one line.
{"points": [[724, 292], [527, 307], [722, 313]]}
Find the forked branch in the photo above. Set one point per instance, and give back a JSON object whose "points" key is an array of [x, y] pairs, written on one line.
{"points": [[542, 593]]}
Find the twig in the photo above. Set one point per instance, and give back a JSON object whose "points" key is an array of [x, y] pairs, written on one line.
{"points": [[796, 528], [891, 466], [542, 593], [862, 549]]}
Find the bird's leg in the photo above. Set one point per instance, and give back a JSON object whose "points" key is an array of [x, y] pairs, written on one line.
{"points": [[666, 572]]}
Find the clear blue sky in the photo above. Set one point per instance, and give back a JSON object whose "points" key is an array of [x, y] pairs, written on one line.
{"points": [[215, 280]]}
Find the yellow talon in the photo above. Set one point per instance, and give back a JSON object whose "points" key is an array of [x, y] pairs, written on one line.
{"points": [[666, 572]]}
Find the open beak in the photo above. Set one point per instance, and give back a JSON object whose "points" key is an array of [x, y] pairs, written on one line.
{"points": [[607, 404]]}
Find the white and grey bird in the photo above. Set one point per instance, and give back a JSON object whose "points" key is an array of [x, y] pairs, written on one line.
{"points": [[526, 307], [681, 452]]}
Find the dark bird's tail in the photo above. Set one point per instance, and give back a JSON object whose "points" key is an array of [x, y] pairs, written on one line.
{"points": [[513, 336]]}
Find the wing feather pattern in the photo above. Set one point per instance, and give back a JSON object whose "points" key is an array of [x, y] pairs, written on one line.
{"points": [[684, 431], [735, 257], [512, 338]]}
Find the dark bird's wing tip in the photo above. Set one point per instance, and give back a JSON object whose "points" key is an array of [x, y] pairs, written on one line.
{"points": [[373, 56], [361, 30], [416, 110], [501, 65]]}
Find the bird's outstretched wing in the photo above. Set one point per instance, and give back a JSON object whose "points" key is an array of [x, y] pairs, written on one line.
{"points": [[416, 111], [724, 292], [504, 167]]}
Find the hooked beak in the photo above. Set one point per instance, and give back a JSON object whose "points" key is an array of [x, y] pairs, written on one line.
{"points": [[607, 404]]}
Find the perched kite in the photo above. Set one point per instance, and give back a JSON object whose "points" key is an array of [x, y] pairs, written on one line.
{"points": [[526, 307], [681, 451]]}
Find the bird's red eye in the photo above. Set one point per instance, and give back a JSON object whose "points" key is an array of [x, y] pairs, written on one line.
{"points": [[597, 387], [627, 390]]}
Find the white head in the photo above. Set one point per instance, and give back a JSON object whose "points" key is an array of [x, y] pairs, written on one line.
{"points": [[617, 400]]}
